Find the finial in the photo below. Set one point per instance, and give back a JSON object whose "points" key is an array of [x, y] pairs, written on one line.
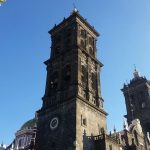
{"points": [[75, 10], [124, 125], [114, 129], [2, 144], [110, 133], [126, 83], [74, 6], [55, 25], [136, 73], [134, 67]]}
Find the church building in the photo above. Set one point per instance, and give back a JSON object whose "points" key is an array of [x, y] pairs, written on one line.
{"points": [[72, 116]]}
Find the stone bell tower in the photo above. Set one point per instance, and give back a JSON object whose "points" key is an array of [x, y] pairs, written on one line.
{"points": [[72, 110], [137, 99]]}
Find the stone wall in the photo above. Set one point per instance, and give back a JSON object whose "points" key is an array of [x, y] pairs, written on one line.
{"points": [[89, 123]]}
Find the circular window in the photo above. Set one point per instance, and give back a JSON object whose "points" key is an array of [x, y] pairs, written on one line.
{"points": [[54, 123]]}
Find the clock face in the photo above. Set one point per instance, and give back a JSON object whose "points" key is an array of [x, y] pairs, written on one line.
{"points": [[54, 123]]}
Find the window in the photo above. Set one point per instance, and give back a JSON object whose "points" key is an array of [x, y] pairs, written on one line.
{"points": [[143, 105], [84, 121], [83, 33], [91, 40], [20, 143], [93, 76], [91, 51], [83, 75], [131, 100], [82, 44]]}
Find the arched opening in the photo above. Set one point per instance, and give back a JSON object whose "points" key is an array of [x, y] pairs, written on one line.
{"points": [[91, 40], [83, 33], [83, 75], [93, 78], [82, 43], [91, 51]]}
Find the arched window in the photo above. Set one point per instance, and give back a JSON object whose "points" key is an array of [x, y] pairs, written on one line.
{"points": [[91, 40], [82, 43], [91, 51], [20, 143], [83, 33], [93, 77], [84, 73], [143, 105]]}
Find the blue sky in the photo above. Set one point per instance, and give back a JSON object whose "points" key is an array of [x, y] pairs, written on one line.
{"points": [[124, 26]]}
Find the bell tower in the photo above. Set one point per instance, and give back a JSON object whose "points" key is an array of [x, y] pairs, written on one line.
{"points": [[72, 109], [137, 99]]}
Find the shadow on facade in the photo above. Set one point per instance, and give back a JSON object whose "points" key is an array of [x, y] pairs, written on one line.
{"points": [[88, 142], [93, 142]]}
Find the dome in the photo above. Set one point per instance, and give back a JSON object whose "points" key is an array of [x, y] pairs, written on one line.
{"points": [[29, 124]]}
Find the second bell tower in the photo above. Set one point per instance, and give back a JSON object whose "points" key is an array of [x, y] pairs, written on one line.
{"points": [[137, 99]]}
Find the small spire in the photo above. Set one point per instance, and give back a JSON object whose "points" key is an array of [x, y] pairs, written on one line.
{"points": [[75, 10], [110, 133], [134, 67], [124, 125], [114, 129], [136, 74]]}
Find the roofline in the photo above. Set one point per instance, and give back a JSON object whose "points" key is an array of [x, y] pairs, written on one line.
{"points": [[74, 14]]}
